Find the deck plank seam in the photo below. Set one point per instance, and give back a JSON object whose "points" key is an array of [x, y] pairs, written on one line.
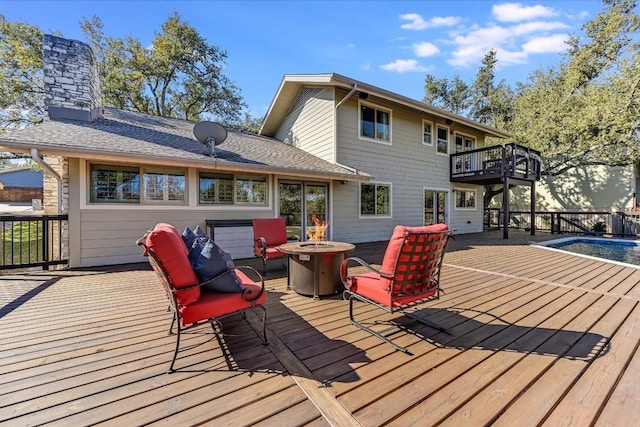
{"points": [[545, 282]]}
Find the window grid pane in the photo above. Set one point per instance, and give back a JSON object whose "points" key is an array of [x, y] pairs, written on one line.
{"points": [[367, 204], [167, 187], [216, 189], [114, 184], [426, 133], [382, 200], [443, 141], [251, 190], [375, 123]]}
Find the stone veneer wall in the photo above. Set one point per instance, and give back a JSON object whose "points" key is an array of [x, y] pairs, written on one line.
{"points": [[71, 78], [50, 198], [72, 90]]}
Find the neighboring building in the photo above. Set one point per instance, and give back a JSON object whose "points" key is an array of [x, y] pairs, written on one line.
{"points": [[585, 188], [20, 185], [358, 157]]}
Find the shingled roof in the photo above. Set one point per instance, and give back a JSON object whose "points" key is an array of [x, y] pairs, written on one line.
{"points": [[143, 138]]}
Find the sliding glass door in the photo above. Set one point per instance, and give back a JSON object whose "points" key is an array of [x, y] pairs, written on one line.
{"points": [[301, 202], [435, 207]]}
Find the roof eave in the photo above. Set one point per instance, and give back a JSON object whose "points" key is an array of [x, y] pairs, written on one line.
{"points": [[291, 83], [97, 155]]}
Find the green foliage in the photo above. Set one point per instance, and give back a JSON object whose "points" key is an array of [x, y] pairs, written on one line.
{"points": [[179, 76], [22, 243], [599, 227], [21, 86], [586, 110], [583, 111]]}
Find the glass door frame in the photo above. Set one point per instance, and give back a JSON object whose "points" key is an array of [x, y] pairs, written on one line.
{"points": [[444, 215], [304, 214]]}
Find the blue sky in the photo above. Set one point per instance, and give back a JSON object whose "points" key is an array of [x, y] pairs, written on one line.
{"points": [[389, 44]]}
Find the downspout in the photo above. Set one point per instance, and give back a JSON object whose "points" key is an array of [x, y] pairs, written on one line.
{"points": [[335, 130], [36, 158]]}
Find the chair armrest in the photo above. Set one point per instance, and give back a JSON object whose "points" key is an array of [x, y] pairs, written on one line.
{"points": [[263, 245], [344, 270], [246, 293]]}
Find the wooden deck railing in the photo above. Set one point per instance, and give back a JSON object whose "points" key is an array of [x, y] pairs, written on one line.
{"points": [[624, 224], [33, 241], [493, 163]]}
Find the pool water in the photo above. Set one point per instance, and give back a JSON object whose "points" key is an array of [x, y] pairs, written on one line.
{"points": [[614, 250]]}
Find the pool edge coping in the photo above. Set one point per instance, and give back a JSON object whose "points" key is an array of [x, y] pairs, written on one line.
{"points": [[545, 245]]}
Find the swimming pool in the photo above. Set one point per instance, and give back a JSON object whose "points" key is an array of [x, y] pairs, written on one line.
{"points": [[619, 251]]}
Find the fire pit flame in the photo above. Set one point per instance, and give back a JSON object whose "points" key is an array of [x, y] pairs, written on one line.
{"points": [[318, 232]]}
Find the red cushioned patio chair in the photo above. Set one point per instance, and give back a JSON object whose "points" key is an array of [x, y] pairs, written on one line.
{"points": [[168, 255], [268, 234], [409, 275]]}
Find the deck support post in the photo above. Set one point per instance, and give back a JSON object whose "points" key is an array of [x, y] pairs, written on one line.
{"points": [[533, 208], [505, 207]]}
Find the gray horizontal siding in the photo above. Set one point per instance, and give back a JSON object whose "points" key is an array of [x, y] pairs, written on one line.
{"points": [[109, 237], [407, 164]]}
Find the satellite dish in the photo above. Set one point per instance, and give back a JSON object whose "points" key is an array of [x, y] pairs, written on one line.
{"points": [[210, 134]]}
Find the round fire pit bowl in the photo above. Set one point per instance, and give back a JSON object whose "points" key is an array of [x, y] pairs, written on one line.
{"points": [[314, 267]]}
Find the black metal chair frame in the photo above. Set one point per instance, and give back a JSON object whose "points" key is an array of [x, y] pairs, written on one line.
{"points": [[213, 321], [409, 285]]}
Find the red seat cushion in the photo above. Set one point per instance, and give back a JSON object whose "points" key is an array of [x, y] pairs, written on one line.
{"points": [[273, 252], [214, 304], [167, 244], [375, 288]]}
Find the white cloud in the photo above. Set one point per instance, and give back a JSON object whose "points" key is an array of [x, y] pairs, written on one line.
{"points": [[508, 41], [425, 49], [549, 44], [537, 26], [404, 65], [417, 22], [516, 12]]}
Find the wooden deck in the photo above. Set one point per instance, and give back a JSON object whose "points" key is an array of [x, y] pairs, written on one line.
{"points": [[537, 338]]}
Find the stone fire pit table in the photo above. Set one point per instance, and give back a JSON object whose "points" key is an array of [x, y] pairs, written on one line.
{"points": [[314, 268]]}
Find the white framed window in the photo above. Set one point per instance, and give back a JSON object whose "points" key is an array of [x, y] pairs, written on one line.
{"points": [[215, 189], [114, 184], [375, 199], [126, 184], [465, 199], [427, 132], [227, 189], [161, 185], [463, 143], [375, 123], [251, 190], [435, 206], [442, 139]]}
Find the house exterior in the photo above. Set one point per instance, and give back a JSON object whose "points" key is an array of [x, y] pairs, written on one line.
{"points": [[585, 188], [20, 185], [331, 149]]}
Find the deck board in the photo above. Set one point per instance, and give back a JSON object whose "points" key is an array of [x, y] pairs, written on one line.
{"points": [[536, 337]]}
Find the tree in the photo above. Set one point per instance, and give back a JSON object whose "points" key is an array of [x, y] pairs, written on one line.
{"points": [[451, 95], [21, 85], [583, 111], [483, 100], [180, 75], [586, 110], [249, 123]]}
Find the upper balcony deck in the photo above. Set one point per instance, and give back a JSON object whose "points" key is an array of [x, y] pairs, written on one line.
{"points": [[490, 165]]}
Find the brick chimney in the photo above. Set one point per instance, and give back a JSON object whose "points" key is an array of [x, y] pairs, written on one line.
{"points": [[71, 80]]}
